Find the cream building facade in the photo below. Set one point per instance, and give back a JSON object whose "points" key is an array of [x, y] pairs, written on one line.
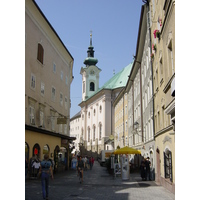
{"points": [[163, 36], [75, 131], [48, 76], [97, 111]]}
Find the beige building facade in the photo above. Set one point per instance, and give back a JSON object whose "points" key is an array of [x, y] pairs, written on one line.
{"points": [[163, 58], [48, 76]]}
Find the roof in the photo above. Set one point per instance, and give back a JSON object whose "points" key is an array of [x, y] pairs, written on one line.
{"points": [[76, 116], [117, 81]]}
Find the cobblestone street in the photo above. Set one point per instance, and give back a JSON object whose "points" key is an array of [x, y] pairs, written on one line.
{"points": [[97, 184]]}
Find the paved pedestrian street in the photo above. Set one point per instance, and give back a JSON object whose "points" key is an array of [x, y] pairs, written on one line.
{"points": [[97, 185]]}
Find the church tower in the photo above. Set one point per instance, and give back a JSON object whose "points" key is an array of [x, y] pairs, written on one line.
{"points": [[90, 73]]}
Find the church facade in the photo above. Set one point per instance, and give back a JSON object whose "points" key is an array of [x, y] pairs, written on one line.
{"points": [[97, 110]]}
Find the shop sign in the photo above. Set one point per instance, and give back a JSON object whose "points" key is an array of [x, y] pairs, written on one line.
{"points": [[62, 120]]}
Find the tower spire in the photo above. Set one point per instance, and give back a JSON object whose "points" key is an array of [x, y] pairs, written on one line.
{"points": [[91, 38], [90, 60]]}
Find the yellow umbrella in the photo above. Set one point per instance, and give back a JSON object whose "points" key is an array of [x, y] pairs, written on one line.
{"points": [[127, 150]]}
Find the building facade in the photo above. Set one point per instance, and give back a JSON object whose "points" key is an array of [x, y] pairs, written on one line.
{"points": [[75, 131], [97, 111], [163, 58], [48, 76]]}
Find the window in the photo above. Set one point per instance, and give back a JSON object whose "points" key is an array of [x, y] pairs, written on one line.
{"points": [[94, 128], [168, 164], [41, 118], [40, 53], [94, 112], [52, 121], [53, 94], [100, 108], [100, 131], [88, 134], [92, 86], [66, 103], [61, 99], [33, 81], [42, 89], [54, 67], [32, 115], [61, 75], [89, 115], [170, 56]]}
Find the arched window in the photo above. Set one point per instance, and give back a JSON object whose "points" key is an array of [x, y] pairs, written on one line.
{"points": [[40, 53], [100, 131], [92, 86], [94, 129], [88, 134]]}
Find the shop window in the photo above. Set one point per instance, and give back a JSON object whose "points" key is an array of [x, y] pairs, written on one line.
{"points": [[168, 164]]}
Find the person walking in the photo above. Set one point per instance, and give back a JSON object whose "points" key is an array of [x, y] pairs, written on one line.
{"points": [[45, 170], [91, 162], [147, 164], [80, 166]]}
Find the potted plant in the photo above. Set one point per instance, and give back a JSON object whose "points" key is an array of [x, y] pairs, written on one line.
{"points": [[152, 56], [154, 47], [154, 33], [158, 34]]}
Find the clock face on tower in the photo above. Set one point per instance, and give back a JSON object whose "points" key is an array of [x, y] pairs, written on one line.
{"points": [[92, 72]]}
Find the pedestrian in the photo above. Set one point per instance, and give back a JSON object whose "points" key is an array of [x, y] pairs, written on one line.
{"points": [[147, 164], [91, 162], [80, 166], [46, 171], [143, 169]]}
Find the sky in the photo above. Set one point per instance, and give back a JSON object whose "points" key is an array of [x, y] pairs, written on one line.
{"points": [[114, 25]]}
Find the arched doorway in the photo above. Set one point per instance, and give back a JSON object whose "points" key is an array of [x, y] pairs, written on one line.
{"points": [[36, 151], [26, 151], [46, 150]]}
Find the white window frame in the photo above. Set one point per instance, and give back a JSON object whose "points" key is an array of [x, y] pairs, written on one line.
{"points": [[53, 96], [32, 115], [33, 81], [61, 98], [54, 67], [41, 118], [65, 102], [42, 88]]}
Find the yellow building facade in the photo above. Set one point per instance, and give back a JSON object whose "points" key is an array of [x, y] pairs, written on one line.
{"points": [[163, 58]]}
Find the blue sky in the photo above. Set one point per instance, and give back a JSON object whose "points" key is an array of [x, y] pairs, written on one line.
{"points": [[114, 25]]}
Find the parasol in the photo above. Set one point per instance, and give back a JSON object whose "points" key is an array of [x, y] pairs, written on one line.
{"points": [[127, 150]]}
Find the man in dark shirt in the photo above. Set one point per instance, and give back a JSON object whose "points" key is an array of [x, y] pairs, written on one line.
{"points": [[81, 165], [147, 164]]}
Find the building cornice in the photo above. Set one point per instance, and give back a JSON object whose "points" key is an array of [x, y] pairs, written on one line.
{"points": [[43, 131]]}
